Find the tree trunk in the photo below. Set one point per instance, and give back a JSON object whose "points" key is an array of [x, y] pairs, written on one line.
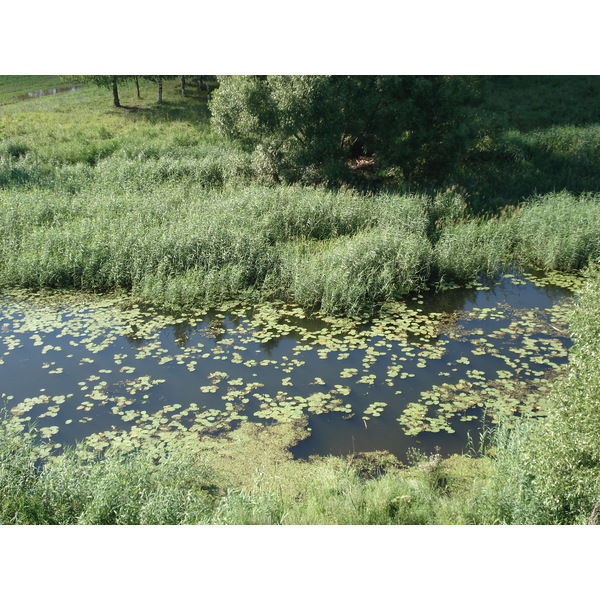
{"points": [[115, 90], [207, 89], [160, 92], [182, 80], [595, 513], [137, 86]]}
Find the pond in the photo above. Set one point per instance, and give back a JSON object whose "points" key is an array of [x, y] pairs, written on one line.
{"points": [[49, 92], [422, 373]]}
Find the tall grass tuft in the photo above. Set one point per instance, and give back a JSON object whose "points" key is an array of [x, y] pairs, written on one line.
{"points": [[558, 231], [78, 487], [466, 251], [351, 273]]}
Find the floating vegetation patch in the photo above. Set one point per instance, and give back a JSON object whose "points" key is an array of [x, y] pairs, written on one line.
{"points": [[112, 372]]}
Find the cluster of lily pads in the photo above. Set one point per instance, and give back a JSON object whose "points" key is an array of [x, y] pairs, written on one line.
{"points": [[110, 371]]}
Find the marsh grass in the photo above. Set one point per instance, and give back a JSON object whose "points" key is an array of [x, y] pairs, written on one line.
{"points": [[546, 472], [564, 457], [150, 201], [349, 274], [80, 488], [205, 487], [559, 231], [466, 251], [182, 242]]}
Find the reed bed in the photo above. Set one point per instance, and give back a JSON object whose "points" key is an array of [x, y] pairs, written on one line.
{"points": [[182, 241]]}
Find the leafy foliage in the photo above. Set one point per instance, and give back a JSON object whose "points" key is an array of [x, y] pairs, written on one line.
{"points": [[312, 128], [564, 459]]}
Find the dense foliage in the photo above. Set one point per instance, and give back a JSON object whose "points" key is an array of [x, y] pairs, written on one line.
{"points": [[318, 128], [552, 468]]}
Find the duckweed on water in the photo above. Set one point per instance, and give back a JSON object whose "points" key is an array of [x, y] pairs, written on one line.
{"points": [[123, 373]]}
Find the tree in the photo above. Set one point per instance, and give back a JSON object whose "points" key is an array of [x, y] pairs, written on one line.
{"points": [[159, 79], [203, 80], [107, 81], [316, 128]]}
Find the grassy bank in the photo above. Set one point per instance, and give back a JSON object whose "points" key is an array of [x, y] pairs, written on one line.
{"points": [[180, 244], [249, 479]]}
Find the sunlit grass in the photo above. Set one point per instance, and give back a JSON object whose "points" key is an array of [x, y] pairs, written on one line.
{"points": [[166, 231]]}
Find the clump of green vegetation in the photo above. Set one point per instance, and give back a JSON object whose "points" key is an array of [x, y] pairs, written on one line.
{"points": [[248, 478], [152, 201], [315, 128], [464, 251], [550, 469], [349, 274], [184, 243], [558, 232], [80, 488]]}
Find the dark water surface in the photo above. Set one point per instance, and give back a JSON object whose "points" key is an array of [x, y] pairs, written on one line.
{"points": [[421, 374]]}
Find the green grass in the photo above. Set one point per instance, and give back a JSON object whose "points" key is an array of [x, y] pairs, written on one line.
{"points": [[548, 471], [14, 87], [535, 102], [150, 201], [249, 479], [185, 241], [558, 232]]}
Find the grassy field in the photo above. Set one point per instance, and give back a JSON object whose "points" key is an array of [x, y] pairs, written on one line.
{"points": [[147, 199], [14, 87]]}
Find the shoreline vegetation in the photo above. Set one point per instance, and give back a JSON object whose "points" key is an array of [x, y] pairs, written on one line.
{"points": [[149, 200]]}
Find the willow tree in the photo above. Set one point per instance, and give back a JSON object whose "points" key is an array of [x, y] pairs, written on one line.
{"points": [[316, 128]]}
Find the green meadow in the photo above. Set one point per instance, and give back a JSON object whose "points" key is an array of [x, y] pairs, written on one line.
{"points": [[149, 201]]}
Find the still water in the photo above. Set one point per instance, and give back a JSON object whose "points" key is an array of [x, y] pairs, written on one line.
{"points": [[422, 373], [49, 92]]}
